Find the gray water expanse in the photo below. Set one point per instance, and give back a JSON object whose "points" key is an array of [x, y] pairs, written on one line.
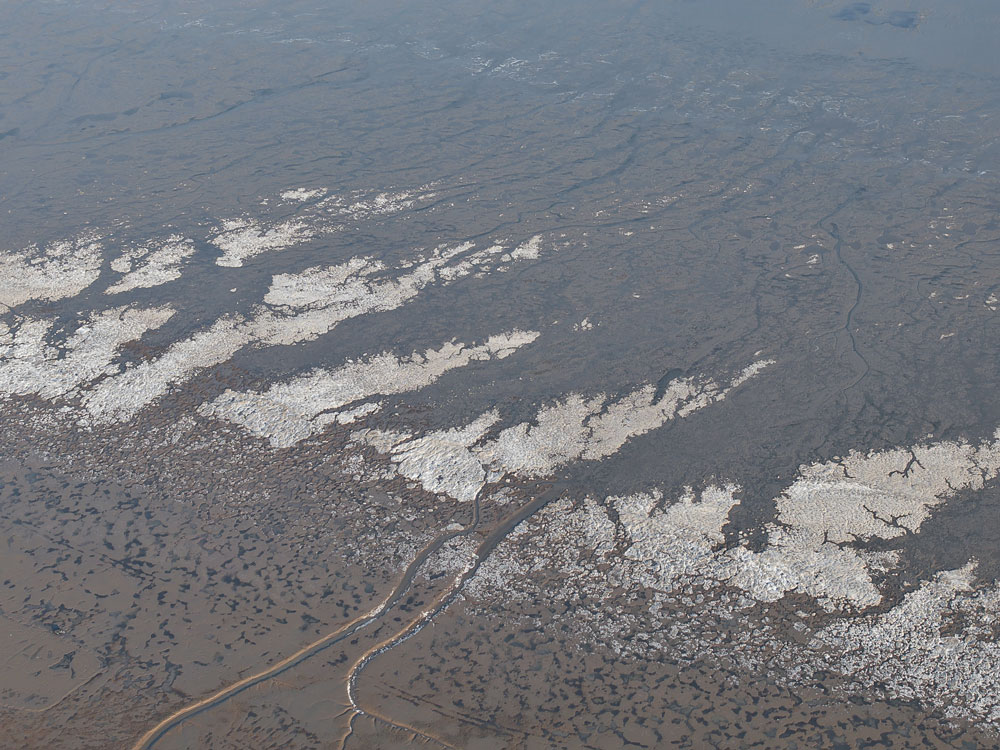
{"points": [[499, 374]]}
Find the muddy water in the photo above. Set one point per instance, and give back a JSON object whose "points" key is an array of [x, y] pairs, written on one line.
{"points": [[286, 286]]}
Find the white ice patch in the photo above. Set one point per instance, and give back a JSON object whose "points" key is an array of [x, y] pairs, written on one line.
{"points": [[440, 461], [381, 205], [861, 498], [312, 303], [526, 251], [119, 398], [289, 412], [151, 265], [829, 510], [60, 270], [31, 364], [592, 428], [575, 428], [353, 414], [300, 195], [300, 307], [750, 371], [321, 287], [558, 435], [679, 540], [242, 239], [904, 652]]}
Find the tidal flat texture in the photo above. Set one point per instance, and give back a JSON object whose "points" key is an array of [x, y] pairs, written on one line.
{"points": [[499, 375]]}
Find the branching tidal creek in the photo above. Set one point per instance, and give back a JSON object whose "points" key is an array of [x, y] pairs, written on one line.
{"points": [[369, 618]]}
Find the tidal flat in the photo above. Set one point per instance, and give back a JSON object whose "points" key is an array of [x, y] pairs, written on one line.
{"points": [[488, 375]]}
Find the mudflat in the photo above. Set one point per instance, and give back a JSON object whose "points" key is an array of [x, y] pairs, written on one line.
{"points": [[587, 375]]}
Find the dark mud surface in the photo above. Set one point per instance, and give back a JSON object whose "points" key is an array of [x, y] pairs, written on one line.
{"points": [[305, 309]]}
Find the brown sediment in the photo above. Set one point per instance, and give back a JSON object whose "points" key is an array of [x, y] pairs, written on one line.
{"points": [[183, 560], [570, 692], [23, 646], [409, 628], [164, 726], [503, 528]]}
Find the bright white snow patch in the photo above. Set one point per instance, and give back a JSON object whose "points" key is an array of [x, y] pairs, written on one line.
{"points": [[31, 364], [242, 239], [151, 265], [289, 412], [61, 269], [298, 307], [577, 427], [299, 195]]}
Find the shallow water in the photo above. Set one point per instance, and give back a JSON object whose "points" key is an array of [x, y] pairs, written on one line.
{"points": [[257, 263]]}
